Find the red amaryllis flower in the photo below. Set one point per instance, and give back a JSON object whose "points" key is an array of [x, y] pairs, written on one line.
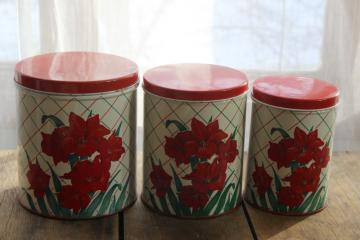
{"points": [[72, 197], [228, 151], [111, 148], [59, 144], [283, 152], [161, 180], [192, 198], [304, 180], [181, 147], [87, 133], [207, 177], [290, 198], [38, 179], [90, 176], [262, 180], [322, 157], [306, 144], [207, 137]]}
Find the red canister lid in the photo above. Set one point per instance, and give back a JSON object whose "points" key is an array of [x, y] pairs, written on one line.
{"points": [[195, 82], [76, 72], [295, 92]]}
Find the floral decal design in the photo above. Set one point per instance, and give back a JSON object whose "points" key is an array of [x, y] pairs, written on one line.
{"points": [[205, 190], [87, 189], [303, 156]]}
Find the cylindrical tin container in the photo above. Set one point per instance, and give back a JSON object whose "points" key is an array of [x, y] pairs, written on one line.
{"points": [[193, 141], [292, 132], [77, 116]]}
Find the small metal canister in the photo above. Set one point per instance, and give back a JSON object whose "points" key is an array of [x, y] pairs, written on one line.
{"points": [[292, 132], [193, 141], [77, 116]]}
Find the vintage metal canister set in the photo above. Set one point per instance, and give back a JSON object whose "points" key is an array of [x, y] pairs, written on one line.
{"points": [[77, 137]]}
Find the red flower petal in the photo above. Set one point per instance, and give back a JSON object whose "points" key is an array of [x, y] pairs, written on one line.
{"points": [[111, 148], [198, 129], [299, 136], [228, 151], [262, 180], [90, 176], [208, 177], [213, 127], [191, 198], [72, 197], [290, 198], [77, 125], [161, 180], [304, 180], [38, 179], [322, 157], [218, 136], [182, 147], [46, 144]]}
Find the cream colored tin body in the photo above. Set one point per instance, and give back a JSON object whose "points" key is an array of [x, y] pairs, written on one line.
{"points": [[77, 152], [174, 170]]}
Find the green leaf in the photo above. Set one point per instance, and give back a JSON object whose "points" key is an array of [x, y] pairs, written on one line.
{"points": [[220, 204], [65, 212], [121, 200], [52, 202], [164, 205], [227, 205], [118, 129], [272, 200], [113, 177], [302, 208], [294, 165], [153, 202], [314, 203], [227, 180], [89, 211], [174, 202], [213, 200], [277, 181], [112, 208], [283, 133], [210, 119], [30, 201], [90, 114], [180, 126], [322, 202], [177, 180], [234, 133], [263, 202], [55, 178], [328, 142], [73, 158], [107, 198], [211, 204], [193, 162], [234, 199], [55, 120], [42, 206]]}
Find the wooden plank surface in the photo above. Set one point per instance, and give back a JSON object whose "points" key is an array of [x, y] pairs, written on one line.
{"points": [[140, 223], [341, 220], [17, 223]]}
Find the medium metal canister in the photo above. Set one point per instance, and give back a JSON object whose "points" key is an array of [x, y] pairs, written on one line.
{"points": [[77, 121], [292, 133], [193, 139]]}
